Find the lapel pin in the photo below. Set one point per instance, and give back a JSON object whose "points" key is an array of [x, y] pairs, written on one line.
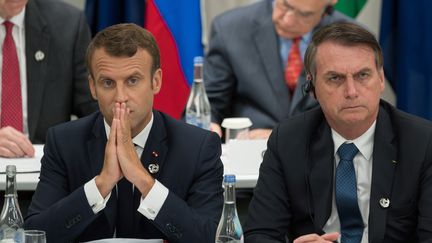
{"points": [[155, 154], [394, 161], [153, 168], [384, 202], [39, 55]]}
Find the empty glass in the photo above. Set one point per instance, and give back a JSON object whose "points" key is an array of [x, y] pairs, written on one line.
{"points": [[34, 236]]}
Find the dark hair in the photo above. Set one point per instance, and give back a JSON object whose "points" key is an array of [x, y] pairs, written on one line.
{"points": [[123, 40], [347, 34]]}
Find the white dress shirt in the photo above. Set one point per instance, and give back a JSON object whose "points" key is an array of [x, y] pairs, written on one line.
{"points": [[152, 203], [18, 33], [363, 169]]}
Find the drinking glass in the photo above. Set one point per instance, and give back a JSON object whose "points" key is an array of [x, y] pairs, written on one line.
{"points": [[34, 236]]}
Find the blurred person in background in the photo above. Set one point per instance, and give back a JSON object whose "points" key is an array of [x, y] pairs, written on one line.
{"points": [[253, 67], [44, 79]]}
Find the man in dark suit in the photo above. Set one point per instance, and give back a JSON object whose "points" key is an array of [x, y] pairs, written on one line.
{"points": [[52, 69], [128, 171], [248, 54], [310, 190]]}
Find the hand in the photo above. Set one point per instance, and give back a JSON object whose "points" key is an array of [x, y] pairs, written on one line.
{"points": [[214, 127], [14, 143], [129, 161], [111, 172], [314, 238], [259, 133]]}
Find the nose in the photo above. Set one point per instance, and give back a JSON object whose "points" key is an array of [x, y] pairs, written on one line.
{"points": [[289, 18], [121, 94], [350, 88]]}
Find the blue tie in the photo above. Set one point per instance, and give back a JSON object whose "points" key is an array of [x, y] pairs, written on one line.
{"points": [[346, 195]]}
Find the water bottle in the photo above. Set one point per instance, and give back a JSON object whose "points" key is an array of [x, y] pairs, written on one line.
{"points": [[11, 219], [198, 105], [229, 229]]}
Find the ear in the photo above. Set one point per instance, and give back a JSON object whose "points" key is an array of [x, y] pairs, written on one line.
{"points": [[333, 2], [92, 86], [157, 81]]}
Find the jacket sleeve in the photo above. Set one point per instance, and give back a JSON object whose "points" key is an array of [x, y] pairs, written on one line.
{"points": [[269, 210], [61, 212], [220, 80], [195, 218]]}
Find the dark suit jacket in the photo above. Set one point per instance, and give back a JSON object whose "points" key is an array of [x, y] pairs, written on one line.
{"points": [[189, 166], [293, 196], [243, 71], [57, 85]]}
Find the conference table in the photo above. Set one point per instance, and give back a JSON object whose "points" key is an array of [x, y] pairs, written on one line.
{"points": [[240, 157]]}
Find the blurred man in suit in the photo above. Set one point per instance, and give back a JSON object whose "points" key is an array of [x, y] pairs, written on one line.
{"points": [[48, 71], [253, 67], [128, 171], [359, 170]]}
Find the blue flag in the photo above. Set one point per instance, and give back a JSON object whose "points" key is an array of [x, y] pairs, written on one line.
{"points": [[406, 39], [103, 13]]}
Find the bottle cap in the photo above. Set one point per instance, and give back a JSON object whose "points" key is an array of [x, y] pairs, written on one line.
{"points": [[230, 178], [236, 123], [198, 60], [10, 170]]}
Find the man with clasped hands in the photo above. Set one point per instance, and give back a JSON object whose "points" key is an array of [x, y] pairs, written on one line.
{"points": [[128, 171]]}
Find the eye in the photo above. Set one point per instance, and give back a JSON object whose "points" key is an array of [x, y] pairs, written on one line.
{"points": [[305, 14], [362, 76], [334, 78], [107, 83], [133, 81]]}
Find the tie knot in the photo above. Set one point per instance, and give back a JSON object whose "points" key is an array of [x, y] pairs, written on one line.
{"points": [[8, 25], [347, 151], [296, 40]]}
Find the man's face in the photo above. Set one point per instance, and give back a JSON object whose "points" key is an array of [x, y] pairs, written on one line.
{"points": [[294, 18], [348, 86], [10, 8], [125, 80]]}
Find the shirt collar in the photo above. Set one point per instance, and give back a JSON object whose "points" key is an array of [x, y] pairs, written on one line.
{"points": [[141, 138], [17, 20], [364, 143]]}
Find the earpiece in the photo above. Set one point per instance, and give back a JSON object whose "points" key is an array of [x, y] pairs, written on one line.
{"points": [[308, 87], [329, 9]]}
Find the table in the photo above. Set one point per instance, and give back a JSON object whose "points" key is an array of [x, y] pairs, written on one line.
{"points": [[241, 157]]}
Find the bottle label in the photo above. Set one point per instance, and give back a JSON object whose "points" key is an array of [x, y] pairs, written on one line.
{"points": [[202, 122]]}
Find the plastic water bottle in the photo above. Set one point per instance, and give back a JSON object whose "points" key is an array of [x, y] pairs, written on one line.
{"points": [[198, 105], [229, 229], [11, 219]]}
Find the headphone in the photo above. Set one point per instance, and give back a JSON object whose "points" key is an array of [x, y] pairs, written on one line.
{"points": [[329, 9], [308, 87]]}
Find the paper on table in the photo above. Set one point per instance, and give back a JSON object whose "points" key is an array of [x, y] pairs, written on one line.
{"points": [[24, 165]]}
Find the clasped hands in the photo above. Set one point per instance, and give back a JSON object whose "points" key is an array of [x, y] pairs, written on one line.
{"points": [[121, 159]]}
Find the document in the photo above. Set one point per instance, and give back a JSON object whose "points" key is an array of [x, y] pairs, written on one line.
{"points": [[24, 165]]}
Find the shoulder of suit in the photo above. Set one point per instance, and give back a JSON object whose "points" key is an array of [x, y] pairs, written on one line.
{"points": [[174, 126], [405, 121], [308, 120], [55, 7]]}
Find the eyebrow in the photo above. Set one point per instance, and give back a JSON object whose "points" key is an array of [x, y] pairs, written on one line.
{"points": [[366, 69]]}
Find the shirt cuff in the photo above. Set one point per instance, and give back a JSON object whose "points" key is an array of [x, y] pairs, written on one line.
{"points": [[152, 203], [94, 198]]}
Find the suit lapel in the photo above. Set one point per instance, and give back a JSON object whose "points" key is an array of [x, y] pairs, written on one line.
{"points": [[383, 170], [37, 40], [154, 153], [263, 34], [321, 161]]}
